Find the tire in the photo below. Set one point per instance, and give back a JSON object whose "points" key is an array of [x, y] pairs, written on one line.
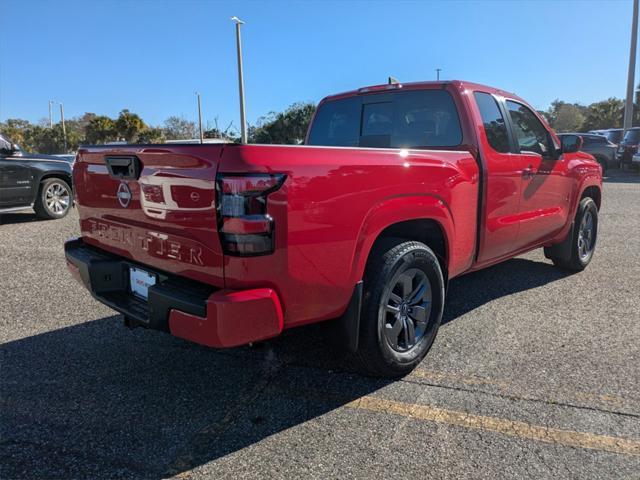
{"points": [[54, 199], [405, 276], [603, 163], [583, 238]]}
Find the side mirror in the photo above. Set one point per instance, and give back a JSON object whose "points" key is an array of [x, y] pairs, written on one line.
{"points": [[571, 143], [7, 148]]}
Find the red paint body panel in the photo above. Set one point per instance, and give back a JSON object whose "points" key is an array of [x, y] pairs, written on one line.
{"points": [[233, 318], [332, 207], [327, 214]]}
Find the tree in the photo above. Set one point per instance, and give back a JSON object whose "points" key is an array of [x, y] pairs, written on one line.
{"points": [[605, 114], [569, 118], [288, 127], [152, 135], [565, 117], [14, 129], [179, 128], [129, 126], [100, 129], [51, 140]]}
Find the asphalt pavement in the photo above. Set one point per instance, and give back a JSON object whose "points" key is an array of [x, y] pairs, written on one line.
{"points": [[535, 373]]}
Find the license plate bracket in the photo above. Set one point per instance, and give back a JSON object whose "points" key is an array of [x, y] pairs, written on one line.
{"points": [[140, 281]]}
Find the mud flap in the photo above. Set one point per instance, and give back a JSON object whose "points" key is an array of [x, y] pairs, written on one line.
{"points": [[562, 250], [345, 331]]}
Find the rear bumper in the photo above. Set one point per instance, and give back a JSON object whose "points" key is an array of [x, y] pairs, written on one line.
{"points": [[187, 309]]}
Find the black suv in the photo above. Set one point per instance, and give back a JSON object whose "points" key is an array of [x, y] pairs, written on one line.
{"points": [[599, 147], [628, 146], [42, 182]]}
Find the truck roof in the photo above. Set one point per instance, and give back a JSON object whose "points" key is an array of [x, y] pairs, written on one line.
{"points": [[460, 84]]}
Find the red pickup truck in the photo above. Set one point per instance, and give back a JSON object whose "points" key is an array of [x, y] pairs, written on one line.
{"points": [[398, 189]]}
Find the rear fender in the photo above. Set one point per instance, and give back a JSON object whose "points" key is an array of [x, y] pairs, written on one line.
{"points": [[396, 210]]}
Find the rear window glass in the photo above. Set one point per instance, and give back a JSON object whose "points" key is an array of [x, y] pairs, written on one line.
{"points": [[614, 136], [410, 119], [632, 136]]}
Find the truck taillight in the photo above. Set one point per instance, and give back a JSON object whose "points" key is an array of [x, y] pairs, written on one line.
{"points": [[245, 226]]}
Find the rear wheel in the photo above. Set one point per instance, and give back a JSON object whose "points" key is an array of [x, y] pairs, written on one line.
{"points": [[583, 240], [402, 308], [54, 199]]}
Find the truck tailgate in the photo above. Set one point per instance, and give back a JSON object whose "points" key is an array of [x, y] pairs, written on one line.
{"points": [[156, 205]]}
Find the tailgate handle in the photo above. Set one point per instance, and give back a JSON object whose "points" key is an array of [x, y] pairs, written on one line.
{"points": [[123, 167]]}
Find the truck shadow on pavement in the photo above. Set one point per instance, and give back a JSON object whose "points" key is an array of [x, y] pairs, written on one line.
{"points": [[15, 217], [95, 400]]}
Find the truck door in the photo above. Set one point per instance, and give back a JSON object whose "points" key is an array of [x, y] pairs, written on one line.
{"points": [[545, 185], [15, 182], [501, 185]]}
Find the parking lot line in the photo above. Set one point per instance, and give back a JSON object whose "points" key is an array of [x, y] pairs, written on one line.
{"points": [[509, 389], [570, 438]]}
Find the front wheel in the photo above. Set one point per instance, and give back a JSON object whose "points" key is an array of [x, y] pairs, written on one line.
{"points": [[583, 240], [54, 199], [402, 308]]}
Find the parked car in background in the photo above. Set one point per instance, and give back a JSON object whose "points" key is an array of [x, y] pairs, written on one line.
{"points": [[635, 160], [28, 180], [628, 146], [597, 145], [614, 135]]}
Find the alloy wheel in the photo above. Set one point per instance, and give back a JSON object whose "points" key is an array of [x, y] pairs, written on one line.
{"points": [[57, 198], [406, 308], [586, 236]]}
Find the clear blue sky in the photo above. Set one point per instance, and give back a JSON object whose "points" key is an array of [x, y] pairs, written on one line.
{"points": [[150, 56]]}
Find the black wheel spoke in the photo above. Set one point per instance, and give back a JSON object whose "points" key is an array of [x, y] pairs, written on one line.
{"points": [[393, 332], [418, 294], [406, 282], [395, 298], [420, 313], [392, 309], [410, 332]]}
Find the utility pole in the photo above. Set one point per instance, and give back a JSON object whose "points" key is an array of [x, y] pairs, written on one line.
{"points": [[628, 106], [200, 118], [243, 120], [50, 113], [438, 70], [64, 130]]}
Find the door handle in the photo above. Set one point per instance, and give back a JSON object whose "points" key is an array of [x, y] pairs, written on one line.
{"points": [[527, 173]]}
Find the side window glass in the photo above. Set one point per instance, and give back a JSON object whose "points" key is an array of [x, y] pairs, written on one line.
{"points": [[529, 131], [494, 126]]}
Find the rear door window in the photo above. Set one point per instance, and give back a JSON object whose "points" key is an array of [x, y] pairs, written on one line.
{"points": [[337, 123], [493, 121], [409, 119]]}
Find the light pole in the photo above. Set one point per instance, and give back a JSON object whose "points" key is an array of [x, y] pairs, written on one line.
{"points": [[64, 130], [628, 106], [200, 118], [51, 113], [438, 70], [243, 120]]}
